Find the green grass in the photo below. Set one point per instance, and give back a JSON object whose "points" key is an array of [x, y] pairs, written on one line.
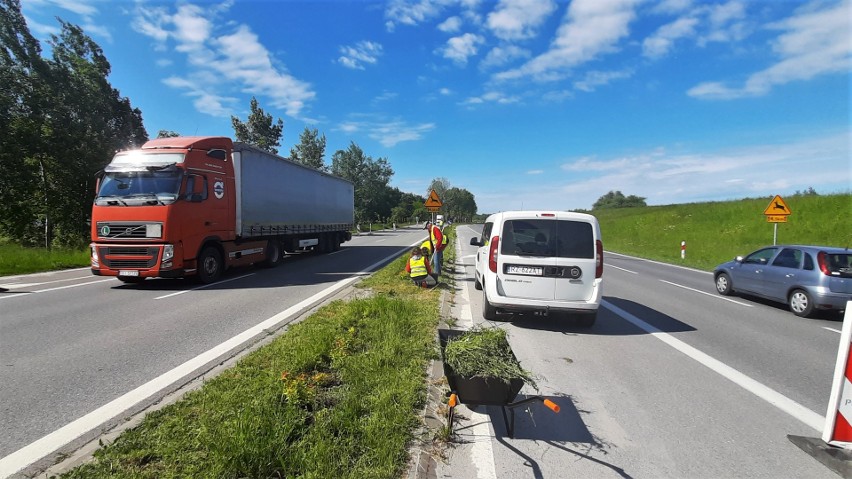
{"points": [[717, 232], [337, 395], [16, 259]]}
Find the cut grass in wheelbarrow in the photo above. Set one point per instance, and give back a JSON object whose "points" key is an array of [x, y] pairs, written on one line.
{"points": [[481, 369]]}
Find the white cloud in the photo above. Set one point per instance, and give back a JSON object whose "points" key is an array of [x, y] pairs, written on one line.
{"points": [[659, 44], [667, 178], [594, 79], [725, 23], [450, 25], [230, 61], [814, 43], [459, 49], [387, 132], [411, 13], [519, 19], [501, 56], [491, 97], [591, 28], [362, 52]]}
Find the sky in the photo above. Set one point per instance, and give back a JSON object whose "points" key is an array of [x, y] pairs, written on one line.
{"points": [[527, 104]]}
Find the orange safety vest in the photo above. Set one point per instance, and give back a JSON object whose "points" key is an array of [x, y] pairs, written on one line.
{"points": [[417, 265]]}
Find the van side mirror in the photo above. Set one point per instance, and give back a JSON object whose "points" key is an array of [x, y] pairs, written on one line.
{"points": [[475, 242]]}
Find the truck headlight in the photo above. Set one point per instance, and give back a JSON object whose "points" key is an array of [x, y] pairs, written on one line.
{"points": [[168, 252], [95, 259]]}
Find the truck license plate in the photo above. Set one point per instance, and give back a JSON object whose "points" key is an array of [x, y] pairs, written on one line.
{"points": [[525, 270], [127, 272]]}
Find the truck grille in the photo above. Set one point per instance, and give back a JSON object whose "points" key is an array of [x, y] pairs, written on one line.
{"points": [[119, 231], [118, 257]]}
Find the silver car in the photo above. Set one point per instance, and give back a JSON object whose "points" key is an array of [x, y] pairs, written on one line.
{"points": [[807, 278]]}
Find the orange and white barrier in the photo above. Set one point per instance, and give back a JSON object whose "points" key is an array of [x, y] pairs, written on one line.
{"points": [[838, 418]]}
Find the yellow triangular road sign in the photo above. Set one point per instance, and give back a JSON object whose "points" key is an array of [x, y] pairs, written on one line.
{"points": [[433, 200], [777, 207]]}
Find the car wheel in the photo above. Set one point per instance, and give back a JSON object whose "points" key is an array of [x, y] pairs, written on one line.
{"points": [[209, 265], [586, 320], [476, 284], [489, 312], [723, 284], [800, 303]]}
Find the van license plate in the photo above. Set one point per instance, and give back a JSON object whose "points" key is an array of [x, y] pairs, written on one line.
{"points": [[127, 272], [525, 270]]}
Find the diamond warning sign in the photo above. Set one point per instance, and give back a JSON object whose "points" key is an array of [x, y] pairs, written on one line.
{"points": [[433, 201], [777, 207]]}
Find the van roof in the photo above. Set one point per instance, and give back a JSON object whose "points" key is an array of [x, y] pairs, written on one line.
{"points": [[529, 214]]}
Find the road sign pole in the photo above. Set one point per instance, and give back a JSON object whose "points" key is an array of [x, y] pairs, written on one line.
{"points": [[775, 235]]}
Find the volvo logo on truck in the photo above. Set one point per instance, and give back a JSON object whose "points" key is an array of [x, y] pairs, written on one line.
{"points": [[219, 189]]}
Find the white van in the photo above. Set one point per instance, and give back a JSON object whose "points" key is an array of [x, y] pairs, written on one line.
{"points": [[541, 262]]}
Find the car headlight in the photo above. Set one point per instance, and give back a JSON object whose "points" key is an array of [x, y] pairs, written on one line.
{"points": [[168, 252]]}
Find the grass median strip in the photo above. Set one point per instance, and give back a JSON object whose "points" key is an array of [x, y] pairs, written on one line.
{"points": [[337, 395]]}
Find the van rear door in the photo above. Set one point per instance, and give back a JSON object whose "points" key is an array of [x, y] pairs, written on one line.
{"points": [[575, 260], [526, 259]]}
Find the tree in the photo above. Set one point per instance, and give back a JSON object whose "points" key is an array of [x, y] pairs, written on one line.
{"points": [[440, 186], [616, 199], [459, 203], [370, 178], [167, 134], [311, 150], [62, 121], [258, 129]]}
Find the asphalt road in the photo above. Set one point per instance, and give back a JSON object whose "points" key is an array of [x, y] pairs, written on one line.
{"points": [[79, 353], [672, 381]]}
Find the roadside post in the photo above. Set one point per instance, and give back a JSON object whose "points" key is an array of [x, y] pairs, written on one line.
{"points": [[838, 418], [834, 448], [776, 212], [683, 250]]}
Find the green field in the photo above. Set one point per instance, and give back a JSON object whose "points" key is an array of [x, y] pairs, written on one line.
{"points": [[717, 232]]}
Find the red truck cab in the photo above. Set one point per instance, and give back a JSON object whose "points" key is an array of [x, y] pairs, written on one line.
{"points": [[158, 205]]}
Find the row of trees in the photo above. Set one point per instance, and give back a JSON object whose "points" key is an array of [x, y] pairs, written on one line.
{"points": [[61, 121]]}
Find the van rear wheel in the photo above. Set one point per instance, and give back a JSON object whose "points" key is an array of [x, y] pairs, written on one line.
{"points": [[489, 312]]}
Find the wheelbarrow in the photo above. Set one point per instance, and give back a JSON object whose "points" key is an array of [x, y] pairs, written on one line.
{"points": [[484, 391]]}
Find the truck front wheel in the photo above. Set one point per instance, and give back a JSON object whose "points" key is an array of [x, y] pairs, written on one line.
{"points": [[209, 265]]}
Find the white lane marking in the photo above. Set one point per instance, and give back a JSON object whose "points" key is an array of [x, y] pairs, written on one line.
{"points": [[832, 329], [54, 289], [204, 286], [766, 393], [481, 451], [27, 285], [708, 294], [656, 262], [622, 269], [40, 448]]}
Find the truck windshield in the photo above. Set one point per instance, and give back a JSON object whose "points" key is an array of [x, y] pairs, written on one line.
{"points": [[140, 188]]}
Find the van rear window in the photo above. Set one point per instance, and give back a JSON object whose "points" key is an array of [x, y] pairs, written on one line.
{"points": [[560, 238]]}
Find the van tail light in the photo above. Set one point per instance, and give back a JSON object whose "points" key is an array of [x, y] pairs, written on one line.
{"points": [[492, 253], [598, 259], [822, 264]]}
